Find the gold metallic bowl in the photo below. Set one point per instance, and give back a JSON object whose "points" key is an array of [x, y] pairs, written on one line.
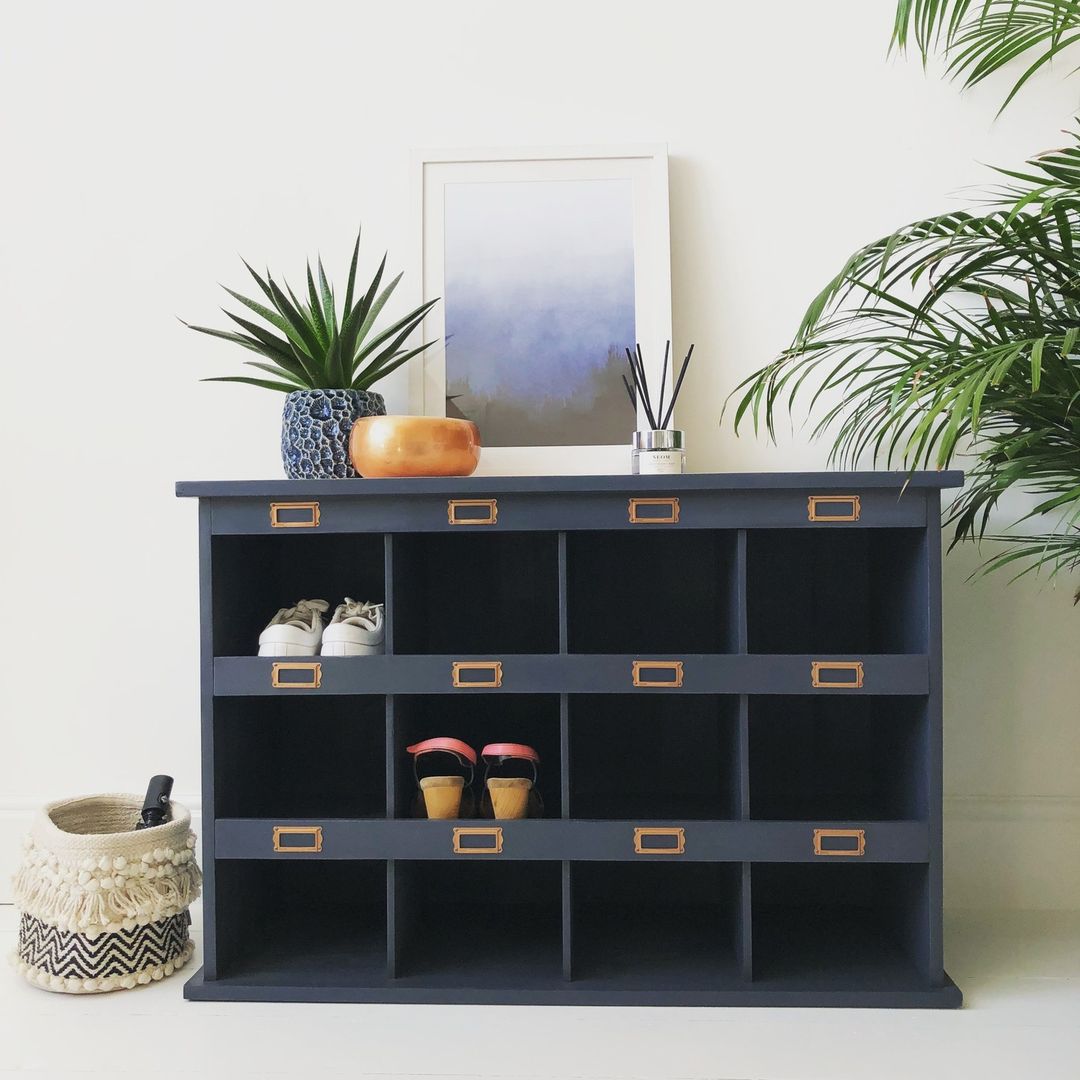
{"points": [[414, 446]]}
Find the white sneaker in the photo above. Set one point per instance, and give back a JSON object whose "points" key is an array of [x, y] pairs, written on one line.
{"points": [[294, 631], [355, 630]]}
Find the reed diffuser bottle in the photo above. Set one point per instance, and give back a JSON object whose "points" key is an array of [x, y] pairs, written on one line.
{"points": [[660, 450]]}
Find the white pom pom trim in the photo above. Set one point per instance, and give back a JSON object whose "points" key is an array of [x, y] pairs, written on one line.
{"points": [[55, 983]]}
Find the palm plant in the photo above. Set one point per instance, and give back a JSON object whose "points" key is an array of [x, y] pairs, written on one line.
{"points": [[314, 348], [958, 333]]}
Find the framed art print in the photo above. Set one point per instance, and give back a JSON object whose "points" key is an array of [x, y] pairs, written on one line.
{"points": [[549, 264]]}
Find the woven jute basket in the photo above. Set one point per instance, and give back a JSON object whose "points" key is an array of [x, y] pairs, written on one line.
{"points": [[103, 907]]}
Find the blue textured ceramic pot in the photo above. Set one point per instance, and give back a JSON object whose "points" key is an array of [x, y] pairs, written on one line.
{"points": [[315, 426]]}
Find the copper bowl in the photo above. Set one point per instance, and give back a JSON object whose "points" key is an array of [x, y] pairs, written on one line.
{"points": [[414, 446]]}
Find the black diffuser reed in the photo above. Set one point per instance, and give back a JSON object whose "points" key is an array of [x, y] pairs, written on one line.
{"points": [[659, 417]]}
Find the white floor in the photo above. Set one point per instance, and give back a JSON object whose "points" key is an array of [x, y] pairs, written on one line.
{"points": [[1020, 974]]}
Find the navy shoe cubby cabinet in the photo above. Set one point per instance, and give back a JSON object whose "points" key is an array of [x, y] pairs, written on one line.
{"points": [[734, 685]]}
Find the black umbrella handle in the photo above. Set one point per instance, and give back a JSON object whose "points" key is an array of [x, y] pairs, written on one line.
{"points": [[155, 808]]}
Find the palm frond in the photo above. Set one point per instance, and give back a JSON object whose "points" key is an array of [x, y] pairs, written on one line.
{"points": [[956, 335], [979, 39]]}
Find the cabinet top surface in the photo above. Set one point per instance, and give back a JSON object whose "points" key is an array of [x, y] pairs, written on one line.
{"points": [[540, 485]]}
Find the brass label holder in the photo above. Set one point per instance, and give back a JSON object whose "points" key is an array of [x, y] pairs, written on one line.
{"points": [[453, 507], [313, 683], [492, 833], [637, 506], [308, 515], [492, 667], [833, 507], [640, 666], [853, 668], [312, 832], [858, 835], [677, 836]]}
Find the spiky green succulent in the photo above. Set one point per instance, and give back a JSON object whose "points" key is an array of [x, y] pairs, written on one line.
{"points": [[309, 347]]}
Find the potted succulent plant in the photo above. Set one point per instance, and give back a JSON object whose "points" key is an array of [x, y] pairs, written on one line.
{"points": [[325, 365]]}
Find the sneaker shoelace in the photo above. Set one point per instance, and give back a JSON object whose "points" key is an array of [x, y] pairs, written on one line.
{"points": [[359, 613], [303, 613]]}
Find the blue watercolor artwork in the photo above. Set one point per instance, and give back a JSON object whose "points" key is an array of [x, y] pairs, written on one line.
{"points": [[539, 306]]}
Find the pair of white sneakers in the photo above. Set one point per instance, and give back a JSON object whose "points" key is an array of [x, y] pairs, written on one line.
{"points": [[356, 629]]}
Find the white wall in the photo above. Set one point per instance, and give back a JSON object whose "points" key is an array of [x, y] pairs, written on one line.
{"points": [[143, 146]]}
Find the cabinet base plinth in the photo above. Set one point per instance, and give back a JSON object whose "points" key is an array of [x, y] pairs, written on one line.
{"points": [[745, 995]]}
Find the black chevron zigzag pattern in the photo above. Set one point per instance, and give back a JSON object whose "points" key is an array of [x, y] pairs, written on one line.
{"points": [[60, 952]]}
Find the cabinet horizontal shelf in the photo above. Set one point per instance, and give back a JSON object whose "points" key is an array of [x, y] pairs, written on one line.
{"points": [[579, 674], [734, 482], [556, 839], [382, 508]]}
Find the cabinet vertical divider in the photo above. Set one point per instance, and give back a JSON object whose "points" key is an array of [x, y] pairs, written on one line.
{"points": [[743, 741], [391, 771], [739, 615], [935, 960], [744, 943], [564, 626], [391, 919], [206, 698], [739, 601], [400, 916], [567, 868], [391, 810], [388, 593], [564, 753], [391, 759], [567, 920], [745, 916], [564, 770]]}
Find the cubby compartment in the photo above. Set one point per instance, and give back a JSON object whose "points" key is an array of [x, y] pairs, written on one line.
{"points": [[663, 756], [255, 576], [841, 924], [664, 591], [662, 925], [478, 719], [837, 590], [473, 922], [301, 922], [300, 757], [476, 592], [835, 758]]}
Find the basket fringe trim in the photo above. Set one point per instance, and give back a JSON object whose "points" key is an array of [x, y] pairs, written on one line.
{"points": [[108, 882], [107, 894]]}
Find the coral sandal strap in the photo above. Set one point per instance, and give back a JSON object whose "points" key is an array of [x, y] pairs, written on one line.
{"points": [[462, 751], [502, 750]]}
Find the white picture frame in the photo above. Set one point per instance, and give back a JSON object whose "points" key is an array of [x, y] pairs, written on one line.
{"points": [[647, 168]]}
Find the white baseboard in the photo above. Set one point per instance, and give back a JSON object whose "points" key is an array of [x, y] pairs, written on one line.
{"points": [[16, 816], [1001, 852], [1059, 808]]}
